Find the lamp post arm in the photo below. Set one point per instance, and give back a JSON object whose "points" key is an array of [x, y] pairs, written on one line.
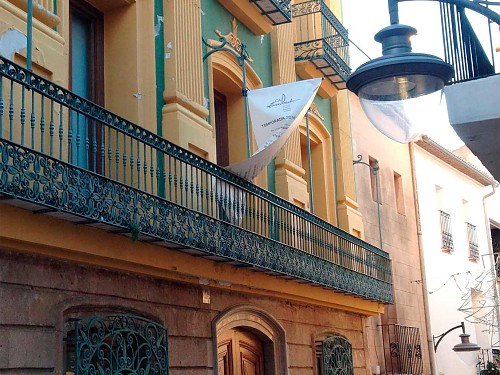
{"points": [[472, 5], [441, 336]]}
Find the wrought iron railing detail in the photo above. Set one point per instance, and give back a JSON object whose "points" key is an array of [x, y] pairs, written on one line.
{"points": [[119, 344], [402, 350], [446, 233], [472, 241], [336, 356], [322, 39], [462, 48], [277, 11], [120, 174]]}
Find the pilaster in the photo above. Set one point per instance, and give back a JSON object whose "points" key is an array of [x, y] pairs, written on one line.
{"points": [[349, 218], [290, 183], [184, 113]]}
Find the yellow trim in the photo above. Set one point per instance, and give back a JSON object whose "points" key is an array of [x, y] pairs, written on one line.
{"points": [[23, 231], [37, 24], [45, 16]]}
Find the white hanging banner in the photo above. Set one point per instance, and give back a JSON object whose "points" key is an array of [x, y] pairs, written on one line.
{"points": [[275, 112]]}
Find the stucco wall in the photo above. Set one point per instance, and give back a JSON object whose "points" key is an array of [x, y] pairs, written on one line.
{"points": [[451, 276]]}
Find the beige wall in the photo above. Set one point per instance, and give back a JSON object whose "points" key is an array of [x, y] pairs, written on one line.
{"points": [[399, 231]]}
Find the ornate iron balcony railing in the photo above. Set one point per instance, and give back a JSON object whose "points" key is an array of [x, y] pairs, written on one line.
{"points": [[277, 11], [446, 234], [322, 39], [472, 241], [462, 47], [63, 152]]}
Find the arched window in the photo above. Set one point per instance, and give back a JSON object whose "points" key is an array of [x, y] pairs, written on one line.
{"points": [[115, 344], [333, 355], [321, 161], [227, 115]]}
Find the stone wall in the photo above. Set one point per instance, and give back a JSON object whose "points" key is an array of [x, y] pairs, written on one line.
{"points": [[37, 296]]}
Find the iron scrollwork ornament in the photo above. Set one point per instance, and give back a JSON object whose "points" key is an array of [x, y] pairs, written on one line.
{"points": [[120, 344]]}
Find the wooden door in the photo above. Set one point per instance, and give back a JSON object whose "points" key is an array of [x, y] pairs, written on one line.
{"points": [[239, 352], [221, 129]]}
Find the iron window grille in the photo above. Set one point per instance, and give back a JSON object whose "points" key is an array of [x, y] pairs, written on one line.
{"points": [[116, 344], [446, 234], [334, 356], [472, 241], [402, 350]]}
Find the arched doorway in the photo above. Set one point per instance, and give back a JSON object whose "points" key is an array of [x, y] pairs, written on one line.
{"points": [[249, 341]]}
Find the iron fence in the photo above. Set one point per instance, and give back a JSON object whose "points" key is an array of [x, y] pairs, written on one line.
{"points": [[402, 350], [67, 153]]}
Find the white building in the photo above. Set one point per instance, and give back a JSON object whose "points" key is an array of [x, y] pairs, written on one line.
{"points": [[456, 248]]}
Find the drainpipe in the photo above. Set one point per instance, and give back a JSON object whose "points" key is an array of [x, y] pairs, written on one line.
{"points": [[492, 259], [430, 341]]}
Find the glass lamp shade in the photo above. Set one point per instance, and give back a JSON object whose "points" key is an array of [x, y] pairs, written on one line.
{"points": [[468, 358], [399, 108], [395, 88], [466, 350]]}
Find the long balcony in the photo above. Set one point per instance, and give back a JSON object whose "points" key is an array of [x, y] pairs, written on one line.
{"points": [[321, 39], [64, 156]]}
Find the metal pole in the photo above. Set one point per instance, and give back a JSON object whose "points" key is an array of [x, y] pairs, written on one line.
{"points": [[244, 92], [393, 11], [309, 163], [29, 34]]}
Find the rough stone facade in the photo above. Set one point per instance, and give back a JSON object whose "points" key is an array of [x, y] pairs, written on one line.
{"points": [[38, 295]]}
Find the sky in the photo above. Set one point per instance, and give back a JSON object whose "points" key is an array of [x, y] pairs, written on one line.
{"points": [[364, 18]]}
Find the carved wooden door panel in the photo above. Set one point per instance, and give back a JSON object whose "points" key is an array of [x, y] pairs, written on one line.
{"points": [[239, 352]]}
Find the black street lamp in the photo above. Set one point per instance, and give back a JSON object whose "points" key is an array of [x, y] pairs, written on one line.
{"points": [[466, 350], [390, 86]]}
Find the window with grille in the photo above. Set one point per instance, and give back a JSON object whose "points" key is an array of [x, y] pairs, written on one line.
{"points": [[446, 234], [115, 344], [472, 241], [334, 356], [402, 350]]}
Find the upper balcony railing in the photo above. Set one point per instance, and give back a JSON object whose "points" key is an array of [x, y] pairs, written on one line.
{"points": [[277, 11], [322, 39], [462, 47], [68, 155]]}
